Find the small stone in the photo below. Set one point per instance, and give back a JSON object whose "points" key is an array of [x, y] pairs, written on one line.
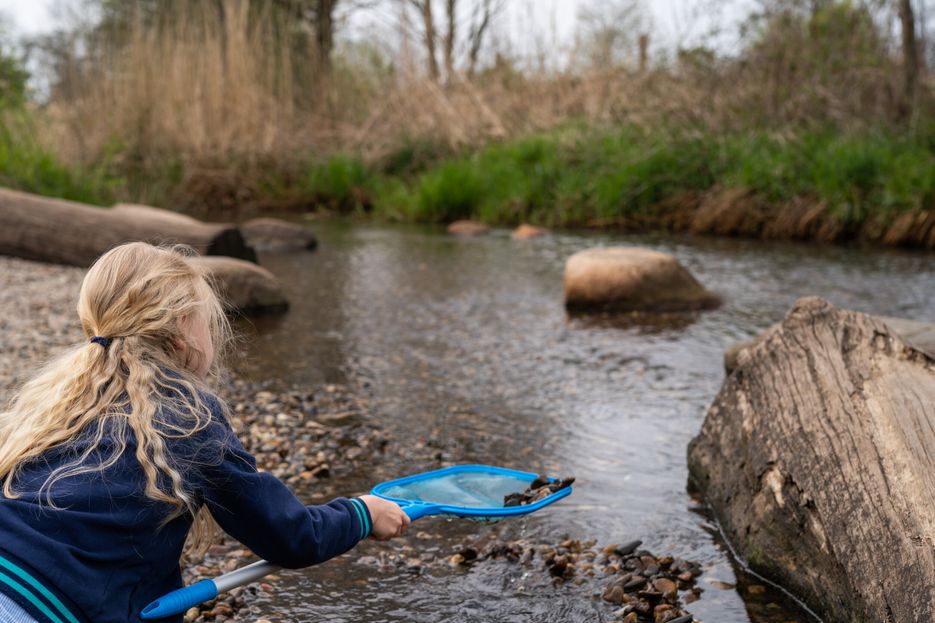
{"points": [[756, 589], [614, 595], [627, 548], [667, 587], [468, 228]]}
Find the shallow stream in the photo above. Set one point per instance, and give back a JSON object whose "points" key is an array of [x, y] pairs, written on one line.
{"points": [[463, 345]]}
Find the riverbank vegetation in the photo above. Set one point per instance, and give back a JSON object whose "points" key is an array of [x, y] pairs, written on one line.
{"points": [[221, 108]]}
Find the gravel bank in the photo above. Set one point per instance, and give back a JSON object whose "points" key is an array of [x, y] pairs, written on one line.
{"points": [[37, 317]]}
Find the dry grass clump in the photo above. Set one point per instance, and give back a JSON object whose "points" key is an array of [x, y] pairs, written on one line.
{"points": [[205, 86]]}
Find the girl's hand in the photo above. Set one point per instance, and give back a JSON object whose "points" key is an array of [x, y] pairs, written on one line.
{"points": [[389, 520]]}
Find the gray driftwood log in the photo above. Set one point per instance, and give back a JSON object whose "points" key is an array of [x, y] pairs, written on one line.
{"points": [[818, 456], [273, 234], [67, 232]]}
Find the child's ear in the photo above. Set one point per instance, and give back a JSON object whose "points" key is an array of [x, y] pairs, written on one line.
{"points": [[178, 342]]}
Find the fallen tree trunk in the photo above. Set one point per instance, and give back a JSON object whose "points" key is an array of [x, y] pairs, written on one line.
{"points": [[66, 232], [817, 458], [244, 286], [919, 335]]}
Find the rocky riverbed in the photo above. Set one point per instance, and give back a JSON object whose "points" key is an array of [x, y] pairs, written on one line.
{"points": [[315, 439]]}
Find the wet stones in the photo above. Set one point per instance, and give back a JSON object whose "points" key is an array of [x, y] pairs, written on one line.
{"points": [[292, 437], [468, 228], [540, 488], [645, 588], [632, 279], [527, 232], [648, 586]]}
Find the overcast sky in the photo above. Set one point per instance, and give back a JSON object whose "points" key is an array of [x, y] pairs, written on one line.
{"points": [[530, 23]]}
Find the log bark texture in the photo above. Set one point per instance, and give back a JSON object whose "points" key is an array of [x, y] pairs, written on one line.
{"points": [[66, 232], [818, 456]]}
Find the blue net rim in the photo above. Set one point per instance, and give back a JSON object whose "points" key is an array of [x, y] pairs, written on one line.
{"points": [[469, 511]]}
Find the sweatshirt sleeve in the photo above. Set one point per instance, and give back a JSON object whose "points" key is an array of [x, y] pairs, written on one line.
{"points": [[259, 510]]}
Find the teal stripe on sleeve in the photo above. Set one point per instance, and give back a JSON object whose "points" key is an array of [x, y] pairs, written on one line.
{"points": [[362, 517], [38, 587], [363, 510], [359, 518], [31, 597]]}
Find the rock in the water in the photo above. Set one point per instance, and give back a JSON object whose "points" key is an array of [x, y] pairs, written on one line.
{"points": [[272, 234], [632, 279], [525, 232], [244, 285], [817, 458], [468, 228]]}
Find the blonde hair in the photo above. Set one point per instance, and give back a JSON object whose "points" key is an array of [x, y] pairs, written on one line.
{"points": [[137, 296]]}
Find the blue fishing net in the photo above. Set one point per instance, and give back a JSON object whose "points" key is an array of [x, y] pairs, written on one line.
{"points": [[465, 489]]}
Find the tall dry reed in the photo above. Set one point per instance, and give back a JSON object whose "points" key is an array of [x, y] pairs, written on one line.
{"points": [[211, 86]]}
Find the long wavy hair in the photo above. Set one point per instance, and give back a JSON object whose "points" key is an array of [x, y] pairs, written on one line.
{"points": [[138, 296]]}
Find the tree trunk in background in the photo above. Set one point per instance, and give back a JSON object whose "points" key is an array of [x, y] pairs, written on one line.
{"points": [[428, 31], [324, 35], [644, 52], [910, 56], [478, 28], [817, 458], [450, 6]]}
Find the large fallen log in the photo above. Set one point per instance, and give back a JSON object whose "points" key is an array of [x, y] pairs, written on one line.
{"points": [[817, 458], [244, 286], [919, 335], [66, 232]]}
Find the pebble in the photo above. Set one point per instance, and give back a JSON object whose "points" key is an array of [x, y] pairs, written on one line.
{"points": [[646, 598]]}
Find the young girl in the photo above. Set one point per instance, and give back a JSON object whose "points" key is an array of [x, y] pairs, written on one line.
{"points": [[112, 454]]}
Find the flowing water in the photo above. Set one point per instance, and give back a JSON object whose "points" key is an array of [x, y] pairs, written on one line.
{"points": [[463, 346]]}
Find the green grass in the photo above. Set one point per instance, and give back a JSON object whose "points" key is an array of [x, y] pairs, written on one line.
{"points": [[579, 177], [570, 177], [25, 165]]}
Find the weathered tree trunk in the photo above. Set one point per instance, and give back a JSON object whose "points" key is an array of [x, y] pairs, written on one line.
{"points": [[67, 232], [451, 7], [428, 31], [324, 36], [910, 55], [817, 458]]}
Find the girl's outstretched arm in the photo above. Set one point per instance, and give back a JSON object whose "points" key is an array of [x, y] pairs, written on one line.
{"points": [[259, 510]]}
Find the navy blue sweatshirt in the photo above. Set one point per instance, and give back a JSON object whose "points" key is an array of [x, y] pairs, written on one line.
{"points": [[102, 555]]}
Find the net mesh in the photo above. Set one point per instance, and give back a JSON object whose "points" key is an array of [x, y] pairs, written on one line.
{"points": [[466, 489]]}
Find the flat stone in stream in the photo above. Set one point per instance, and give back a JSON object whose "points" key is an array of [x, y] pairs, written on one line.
{"points": [[631, 279]]}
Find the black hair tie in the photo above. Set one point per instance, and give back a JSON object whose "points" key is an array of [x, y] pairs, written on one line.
{"points": [[103, 341]]}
